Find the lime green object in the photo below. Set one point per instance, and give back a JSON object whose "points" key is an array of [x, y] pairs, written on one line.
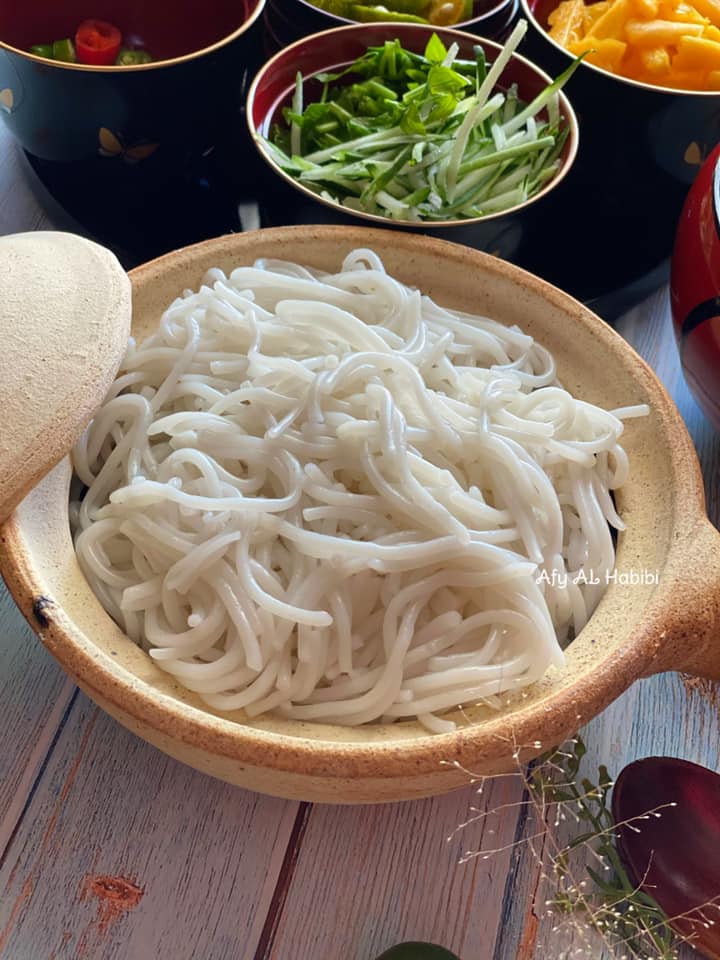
{"points": [[403, 11], [130, 58], [393, 11], [365, 14], [42, 50], [64, 50], [417, 951], [408, 6], [340, 8]]}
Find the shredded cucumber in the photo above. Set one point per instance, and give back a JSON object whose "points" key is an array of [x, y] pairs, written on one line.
{"points": [[422, 137]]}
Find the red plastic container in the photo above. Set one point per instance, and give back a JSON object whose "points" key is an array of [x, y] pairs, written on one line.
{"points": [[695, 287]]}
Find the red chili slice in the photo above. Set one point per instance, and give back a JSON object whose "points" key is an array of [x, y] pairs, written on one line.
{"points": [[97, 43]]}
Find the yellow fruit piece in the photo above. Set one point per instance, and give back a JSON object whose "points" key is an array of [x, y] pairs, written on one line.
{"points": [[612, 23], [709, 9], [697, 54], [669, 43], [684, 80], [646, 9], [633, 66], [659, 33], [593, 13], [680, 12], [651, 79], [559, 13], [567, 21], [655, 60], [606, 53]]}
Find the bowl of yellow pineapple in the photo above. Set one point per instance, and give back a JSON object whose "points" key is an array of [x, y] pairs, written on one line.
{"points": [[647, 97]]}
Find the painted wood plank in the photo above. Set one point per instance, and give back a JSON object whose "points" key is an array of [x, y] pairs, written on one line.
{"points": [[19, 210], [384, 875], [34, 694], [125, 853], [368, 877]]}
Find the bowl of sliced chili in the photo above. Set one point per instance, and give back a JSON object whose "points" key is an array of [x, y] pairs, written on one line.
{"points": [[131, 86]]}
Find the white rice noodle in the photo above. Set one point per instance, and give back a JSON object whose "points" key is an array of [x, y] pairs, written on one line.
{"points": [[329, 497]]}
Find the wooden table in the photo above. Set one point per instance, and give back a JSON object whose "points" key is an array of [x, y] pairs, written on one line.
{"points": [[109, 850]]}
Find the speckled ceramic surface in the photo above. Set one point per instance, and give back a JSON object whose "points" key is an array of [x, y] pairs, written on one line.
{"points": [[65, 318], [637, 630]]}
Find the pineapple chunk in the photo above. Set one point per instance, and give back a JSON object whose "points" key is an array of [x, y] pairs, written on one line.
{"points": [[659, 33], [567, 21], [697, 54], [655, 60]]}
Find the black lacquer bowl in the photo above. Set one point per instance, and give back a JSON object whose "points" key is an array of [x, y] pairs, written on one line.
{"points": [[159, 116], [641, 148]]}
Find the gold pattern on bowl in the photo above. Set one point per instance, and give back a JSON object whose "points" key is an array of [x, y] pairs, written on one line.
{"points": [[113, 145]]}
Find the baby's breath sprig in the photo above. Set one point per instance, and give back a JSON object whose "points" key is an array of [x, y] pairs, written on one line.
{"points": [[622, 913], [584, 882]]}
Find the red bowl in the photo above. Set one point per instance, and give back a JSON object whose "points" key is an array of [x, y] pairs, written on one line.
{"points": [[695, 287]]}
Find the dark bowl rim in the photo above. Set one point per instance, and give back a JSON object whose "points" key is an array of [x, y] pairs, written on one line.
{"points": [[138, 67], [566, 109], [638, 84], [499, 5]]}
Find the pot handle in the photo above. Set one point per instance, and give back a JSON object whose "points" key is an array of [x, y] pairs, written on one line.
{"points": [[689, 634]]}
